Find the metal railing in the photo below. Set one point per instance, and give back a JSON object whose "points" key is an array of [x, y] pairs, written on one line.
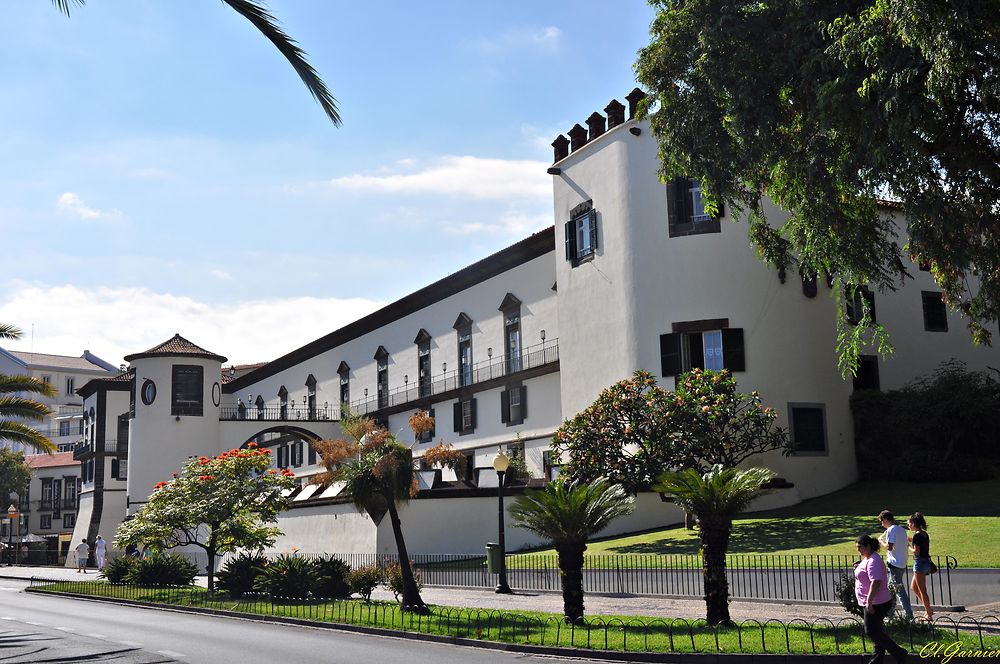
{"points": [[776, 577], [280, 413], [83, 448], [796, 636], [531, 357]]}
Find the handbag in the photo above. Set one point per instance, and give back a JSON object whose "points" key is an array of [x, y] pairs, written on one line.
{"points": [[933, 569]]}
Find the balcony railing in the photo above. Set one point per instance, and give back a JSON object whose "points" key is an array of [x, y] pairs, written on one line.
{"points": [[532, 357], [84, 448], [280, 413]]}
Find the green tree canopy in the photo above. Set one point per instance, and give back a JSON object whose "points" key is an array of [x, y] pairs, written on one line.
{"points": [[635, 429], [14, 475], [828, 107], [219, 504]]}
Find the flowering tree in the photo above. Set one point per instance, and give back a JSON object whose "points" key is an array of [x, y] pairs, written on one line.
{"points": [[636, 430], [219, 504], [378, 473]]}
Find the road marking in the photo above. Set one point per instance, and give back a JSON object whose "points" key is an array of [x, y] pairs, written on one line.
{"points": [[6, 618], [36, 624], [171, 653], [96, 636], [130, 644], [65, 629]]}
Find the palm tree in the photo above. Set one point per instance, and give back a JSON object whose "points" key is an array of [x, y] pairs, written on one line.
{"points": [[15, 408], [377, 472], [714, 498], [265, 22], [568, 513]]}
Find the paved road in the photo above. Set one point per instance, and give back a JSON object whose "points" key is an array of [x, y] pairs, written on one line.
{"points": [[40, 628]]}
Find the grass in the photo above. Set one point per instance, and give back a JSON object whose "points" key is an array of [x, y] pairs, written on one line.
{"points": [[963, 520], [526, 627]]}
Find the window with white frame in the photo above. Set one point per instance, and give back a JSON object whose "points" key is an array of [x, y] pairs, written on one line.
{"points": [[686, 213], [69, 520], [690, 347], [581, 233], [513, 405], [465, 416]]}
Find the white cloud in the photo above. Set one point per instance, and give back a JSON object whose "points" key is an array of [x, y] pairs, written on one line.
{"points": [[221, 274], [532, 38], [114, 322], [464, 176], [73, 204], [517, 224]]}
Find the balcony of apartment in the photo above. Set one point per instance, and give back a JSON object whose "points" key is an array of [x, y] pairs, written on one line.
{"points": [[84, 449], [288, 413], [532, 361]]}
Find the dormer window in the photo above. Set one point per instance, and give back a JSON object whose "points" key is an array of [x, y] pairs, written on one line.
{"points": [[311, 396]]}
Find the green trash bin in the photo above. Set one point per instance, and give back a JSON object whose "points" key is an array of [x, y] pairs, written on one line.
{"points": [[493, 557]]}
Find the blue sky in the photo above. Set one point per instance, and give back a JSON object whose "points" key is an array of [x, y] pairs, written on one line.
{"points": [[164, 170]]}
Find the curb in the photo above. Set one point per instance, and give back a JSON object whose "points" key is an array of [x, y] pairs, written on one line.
{"points": [[575, 653]]}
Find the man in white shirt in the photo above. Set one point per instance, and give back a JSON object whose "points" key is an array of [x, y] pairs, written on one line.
{"points": [[897, 548], [82, 553], [100, 552]]}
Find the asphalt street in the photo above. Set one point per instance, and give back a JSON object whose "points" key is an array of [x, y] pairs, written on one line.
{"points": [[37, 628]]}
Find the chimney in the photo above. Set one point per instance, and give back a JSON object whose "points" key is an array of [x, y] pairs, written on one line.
{"points": [[596, 124], [560, 148], [633, 98], [616, 113], [577, 137]]}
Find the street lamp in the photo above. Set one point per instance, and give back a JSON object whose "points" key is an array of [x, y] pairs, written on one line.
{"points": [[11, 516], [500, 464]]}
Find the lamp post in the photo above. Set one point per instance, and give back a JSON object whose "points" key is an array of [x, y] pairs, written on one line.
{"points": [[500, 464], [12, 516]]}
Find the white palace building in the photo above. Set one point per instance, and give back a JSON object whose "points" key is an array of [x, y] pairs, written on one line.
{"points": [[633, 275]]}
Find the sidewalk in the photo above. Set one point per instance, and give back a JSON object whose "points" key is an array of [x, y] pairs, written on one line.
{"points": [[551, 602]]}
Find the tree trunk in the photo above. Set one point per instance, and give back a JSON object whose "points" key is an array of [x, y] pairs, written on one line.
{"points": [[714, 544], [571, 578], [210, 567], [411, 600]]}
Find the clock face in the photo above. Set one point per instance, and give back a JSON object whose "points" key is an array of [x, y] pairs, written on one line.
{"points": [[148, 392], [216, 394]]}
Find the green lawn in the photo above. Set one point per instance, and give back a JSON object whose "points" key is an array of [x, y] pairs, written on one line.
{"points": [[600, 632], [963, 521]]}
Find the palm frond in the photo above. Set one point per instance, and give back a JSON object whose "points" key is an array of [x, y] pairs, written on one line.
{"points": [[9, 331], [20, 383], [18, 432], [720, 492], [265, 22], [571, 512], [64, 5], [22, 409]]}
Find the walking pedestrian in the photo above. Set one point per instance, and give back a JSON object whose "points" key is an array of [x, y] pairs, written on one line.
{"points": [[871, 587], [82, 553], [100, 552], [897, 550], [922, 564]]}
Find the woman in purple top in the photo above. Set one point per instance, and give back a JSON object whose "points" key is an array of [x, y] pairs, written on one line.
{"points": [[871, 586]]}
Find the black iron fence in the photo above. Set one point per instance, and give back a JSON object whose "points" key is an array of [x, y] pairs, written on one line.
{"points": [[287, 413], [794, 636], [778, 577]]}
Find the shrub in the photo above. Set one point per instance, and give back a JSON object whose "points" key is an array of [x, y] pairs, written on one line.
{"points": [[940, 427], [363, 580], [162, 569], [287, 576], [238, 575], [331, 577], [843, 589], [394, 578], [117, 569]]}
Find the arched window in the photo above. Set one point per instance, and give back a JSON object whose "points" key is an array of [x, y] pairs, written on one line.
{"points": [[311, 396]]}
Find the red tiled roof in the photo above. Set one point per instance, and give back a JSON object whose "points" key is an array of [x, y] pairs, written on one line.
{"points": [[176, 345], [50, 460]]}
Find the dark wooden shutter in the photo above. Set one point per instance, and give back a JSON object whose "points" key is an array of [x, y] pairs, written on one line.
{"points": [[722, 210], [505, 407], [688, 205], [312, 454], [524, 402], [670, 354], [675, 201], [473, 407], [593, 231], [114, 469], [570, 240], [457, 414], [733, 354], [870, 298]]}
